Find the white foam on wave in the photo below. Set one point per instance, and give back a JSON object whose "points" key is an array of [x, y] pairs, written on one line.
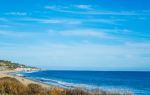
{"points": [[56, 82], [65, 84], [20, 75], [86, 86]]}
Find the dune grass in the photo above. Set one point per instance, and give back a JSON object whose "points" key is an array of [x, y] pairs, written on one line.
{"points": [[11, 86]]}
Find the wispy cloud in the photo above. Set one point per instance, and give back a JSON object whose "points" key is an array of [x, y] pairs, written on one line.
{"points": [[16, 13], [18, 34], [87, 7], [114, 34], [92, 33], [66, 21], [145, 45], [53, 21], [52, 7], [88, 33], [99, 33], [88, 11]]}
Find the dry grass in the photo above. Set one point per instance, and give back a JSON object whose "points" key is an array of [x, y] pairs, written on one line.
{"points": [[11, 86]]}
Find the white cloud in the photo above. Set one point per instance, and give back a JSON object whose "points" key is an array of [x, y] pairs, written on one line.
{"points": [[99, 33], [66, 21], [125, 13], [95, 11], [16, 13], [88, 33], [83, 33], [51, 7], [54, 21], [87, 7], [60, 21], [104, 21], [18, 34], [138, 44]]}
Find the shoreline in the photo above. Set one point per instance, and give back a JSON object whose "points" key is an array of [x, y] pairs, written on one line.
{"points": [[60, 86], [26, 81], [23, 80]]}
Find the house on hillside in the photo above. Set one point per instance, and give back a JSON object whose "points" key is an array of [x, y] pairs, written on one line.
{"points": [[26, 69]]}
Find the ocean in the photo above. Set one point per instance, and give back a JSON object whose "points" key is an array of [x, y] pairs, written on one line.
{"points": [[125, 81]]}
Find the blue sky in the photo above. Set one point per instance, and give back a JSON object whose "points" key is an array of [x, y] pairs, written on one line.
{"points": [[76, 34]]}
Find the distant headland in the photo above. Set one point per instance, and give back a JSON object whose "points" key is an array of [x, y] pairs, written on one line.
{"points": [[8, 65]]}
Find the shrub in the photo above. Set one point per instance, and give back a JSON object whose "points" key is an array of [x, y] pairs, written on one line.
{"points": [[34, 89], [11, 86], [76, 91]]}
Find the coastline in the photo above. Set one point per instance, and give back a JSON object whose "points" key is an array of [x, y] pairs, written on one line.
{"points": [[23, 80]]}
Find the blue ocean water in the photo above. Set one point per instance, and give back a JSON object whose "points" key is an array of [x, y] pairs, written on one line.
{"points": [[129, 81]]}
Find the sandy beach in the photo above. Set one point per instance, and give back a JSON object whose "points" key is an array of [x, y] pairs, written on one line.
{"points": [[23, 80], [54, 90]]}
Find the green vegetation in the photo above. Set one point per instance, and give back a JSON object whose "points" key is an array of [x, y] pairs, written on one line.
{"points": [[8, 65], [11, 86]]}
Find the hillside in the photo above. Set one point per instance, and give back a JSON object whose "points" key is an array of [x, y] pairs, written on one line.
{"points": [[8, 65]]}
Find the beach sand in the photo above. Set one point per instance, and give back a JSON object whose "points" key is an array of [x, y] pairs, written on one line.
{"points": [[23, 80], [56, 89]]}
